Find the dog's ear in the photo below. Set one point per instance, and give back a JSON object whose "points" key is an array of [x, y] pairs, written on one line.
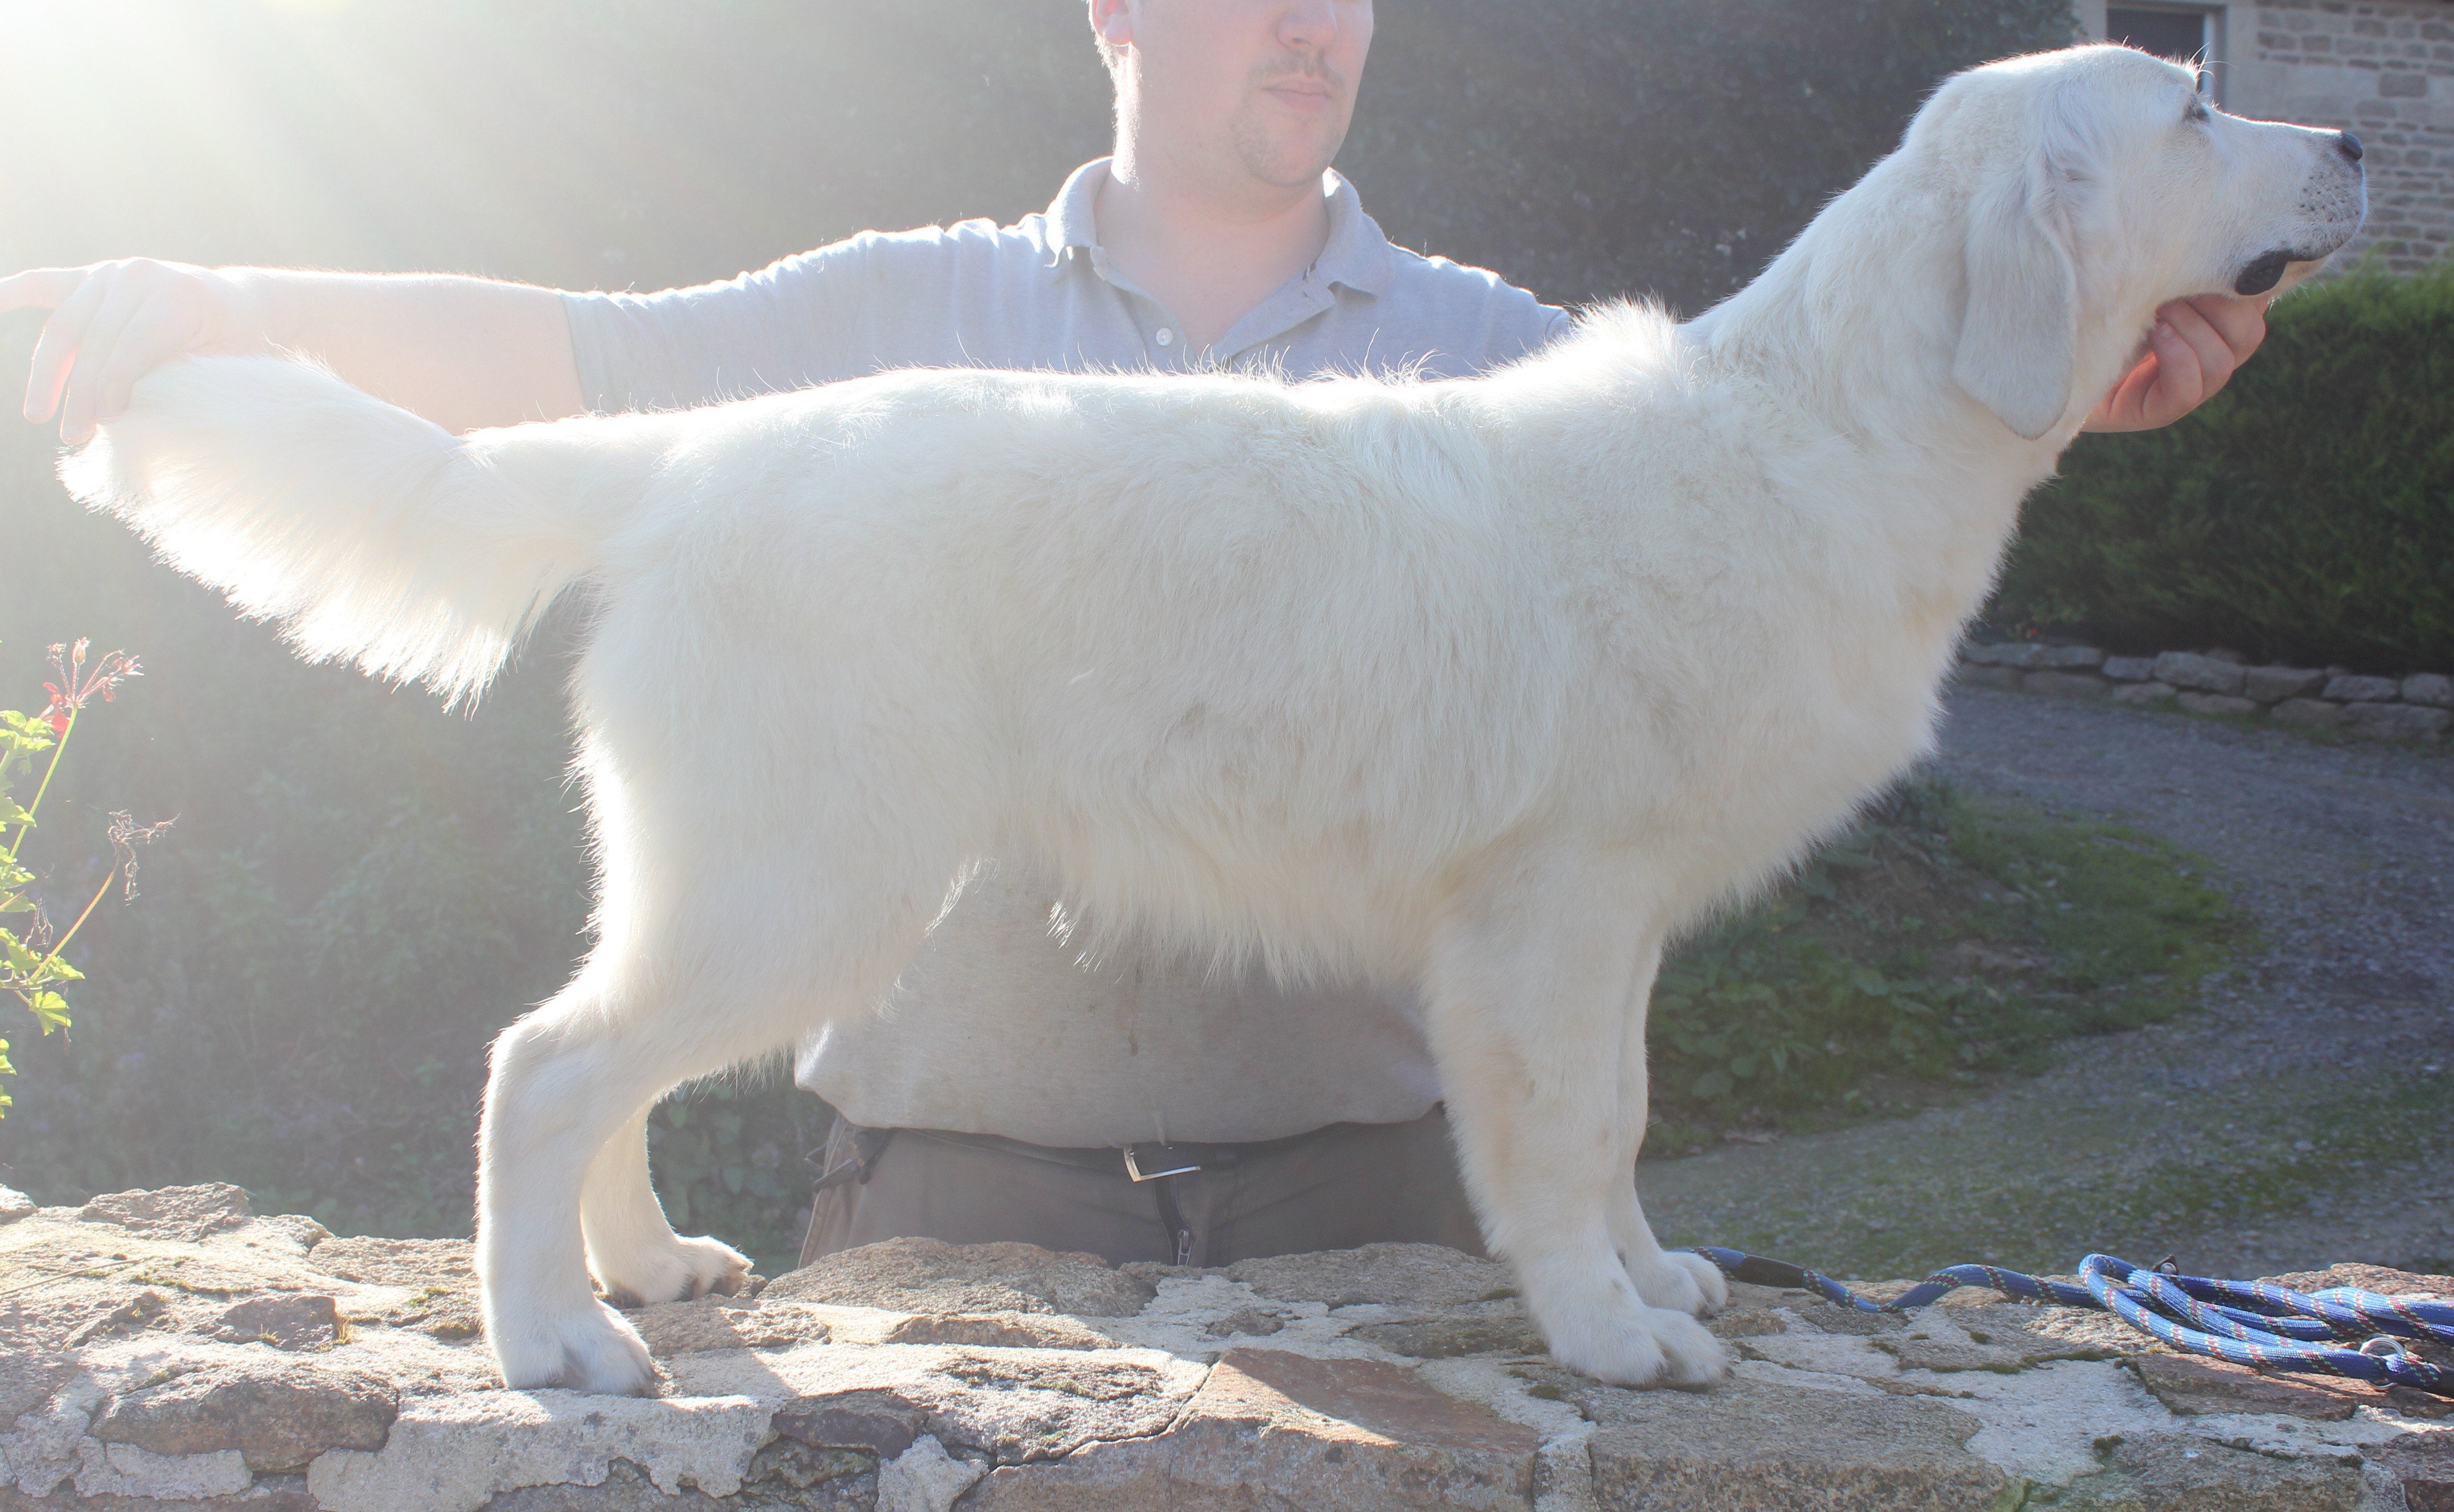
{"points": [[2019, 340]]}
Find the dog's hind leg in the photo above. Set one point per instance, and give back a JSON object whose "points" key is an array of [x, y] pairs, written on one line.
{"points": [[1527, 992], [570, 1076], [633, 1250]]}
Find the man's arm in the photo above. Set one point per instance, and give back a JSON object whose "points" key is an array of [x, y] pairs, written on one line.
{"points": [[464, 353], [2193, 351]]}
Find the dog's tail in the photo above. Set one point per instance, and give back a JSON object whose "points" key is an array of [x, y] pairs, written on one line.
{"points": [[371, 535]]}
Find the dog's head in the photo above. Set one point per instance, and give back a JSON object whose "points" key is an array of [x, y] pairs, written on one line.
{"points": [[2098, 183]]}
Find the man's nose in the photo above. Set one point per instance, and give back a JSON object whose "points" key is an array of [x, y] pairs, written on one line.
{"points": [[1310, 24]]}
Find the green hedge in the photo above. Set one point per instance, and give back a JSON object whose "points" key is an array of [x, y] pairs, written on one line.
{"points": [[2305, 514]]}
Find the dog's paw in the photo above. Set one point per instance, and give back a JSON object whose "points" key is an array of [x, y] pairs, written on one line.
{"points": [[1640, 1347], [1681, 1281], [674, 1271], [587, 1348], [1596, 1324]]}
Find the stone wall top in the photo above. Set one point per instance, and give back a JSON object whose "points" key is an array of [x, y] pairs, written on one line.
{"points": [[171, 1349]]}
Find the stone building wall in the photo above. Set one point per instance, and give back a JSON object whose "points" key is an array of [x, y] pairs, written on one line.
{"points": [[2382, 69]]}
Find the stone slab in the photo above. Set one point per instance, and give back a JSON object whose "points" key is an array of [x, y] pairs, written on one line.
{"points": [[712, 1323], [2196, 1387], [2199, 673], [2186, 1474], [2220, 703], [1426, 1275], [2422, 1466], [1751, 1446], [2398, 721], [291, 1322], [2308, 713], [2276, 683], [2362, 689], [1500, 1332], [2432, 688], [930, 1276], [277, 1419], [1275, 1429], [174, 1212]]}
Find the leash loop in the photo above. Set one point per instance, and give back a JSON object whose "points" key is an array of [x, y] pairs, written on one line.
{"points": [[2341, 1331]]}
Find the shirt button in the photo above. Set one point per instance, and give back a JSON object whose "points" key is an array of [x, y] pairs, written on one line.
{"points": [[1166, 337]]}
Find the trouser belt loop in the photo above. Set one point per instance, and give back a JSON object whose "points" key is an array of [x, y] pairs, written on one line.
{"points": [[849, 1154]]}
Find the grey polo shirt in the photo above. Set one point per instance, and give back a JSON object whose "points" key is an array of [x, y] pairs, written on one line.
{"points": [[997, 1027]]}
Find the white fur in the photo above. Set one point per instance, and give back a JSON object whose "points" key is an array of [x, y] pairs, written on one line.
{"points": [[1493, 686]]}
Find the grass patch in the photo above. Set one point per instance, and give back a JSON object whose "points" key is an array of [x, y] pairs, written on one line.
{"points": [[2035, 1185], [1944, 941]]}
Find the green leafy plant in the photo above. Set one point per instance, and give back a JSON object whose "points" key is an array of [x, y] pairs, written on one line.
{"points": [[31, 957]]}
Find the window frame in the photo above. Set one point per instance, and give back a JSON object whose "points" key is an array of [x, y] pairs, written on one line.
{"points": [[2213, 28]]}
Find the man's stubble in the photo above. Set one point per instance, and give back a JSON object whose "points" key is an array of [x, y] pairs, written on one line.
{"points": [[1293, 160]]}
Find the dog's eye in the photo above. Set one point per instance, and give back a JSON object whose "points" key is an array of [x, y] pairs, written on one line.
{"points": [[2198, 111]]}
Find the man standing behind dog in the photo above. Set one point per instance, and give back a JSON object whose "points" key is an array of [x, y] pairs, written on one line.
{"points": [[1139, 1107]]}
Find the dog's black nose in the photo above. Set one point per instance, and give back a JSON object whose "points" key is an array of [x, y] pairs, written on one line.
{"points": [[2348, 145]]}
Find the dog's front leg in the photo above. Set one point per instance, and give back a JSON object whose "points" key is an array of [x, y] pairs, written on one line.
{"points": [[1681, 1279], [1528, 1004]]}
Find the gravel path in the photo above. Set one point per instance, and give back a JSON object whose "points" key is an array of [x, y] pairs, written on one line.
{"points": [[2306, 1117]]}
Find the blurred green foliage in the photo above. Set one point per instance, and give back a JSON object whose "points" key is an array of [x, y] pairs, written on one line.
{"points": [[2304, 514], [364, 889]]}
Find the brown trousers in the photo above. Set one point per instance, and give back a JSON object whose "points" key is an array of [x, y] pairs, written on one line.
{"points": [[1334, 1188]]}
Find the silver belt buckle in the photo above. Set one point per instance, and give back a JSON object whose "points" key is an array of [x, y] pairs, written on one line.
{"points": [[1168, 1159]]}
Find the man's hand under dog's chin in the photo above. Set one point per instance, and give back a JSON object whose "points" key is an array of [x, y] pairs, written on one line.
{"points": [[2191, 354]]}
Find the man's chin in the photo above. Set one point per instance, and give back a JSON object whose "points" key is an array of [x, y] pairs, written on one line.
{"points": [[1283, 158], [1284, 151]]}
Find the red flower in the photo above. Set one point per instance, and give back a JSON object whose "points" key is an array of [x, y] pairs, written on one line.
{"points": [[70, 663]]}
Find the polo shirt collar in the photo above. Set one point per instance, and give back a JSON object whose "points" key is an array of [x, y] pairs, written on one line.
{"points": [[1356, 255], [1073, 217]]}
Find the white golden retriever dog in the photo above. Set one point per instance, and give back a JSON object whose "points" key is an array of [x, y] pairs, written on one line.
{"points": [[1489, 686]]}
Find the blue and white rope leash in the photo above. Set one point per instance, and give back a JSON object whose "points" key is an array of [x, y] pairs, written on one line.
{"points": [[2247, 1323]]}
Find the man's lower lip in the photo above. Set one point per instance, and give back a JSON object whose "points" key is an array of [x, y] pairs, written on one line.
{"points": [[1308, 100]]}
